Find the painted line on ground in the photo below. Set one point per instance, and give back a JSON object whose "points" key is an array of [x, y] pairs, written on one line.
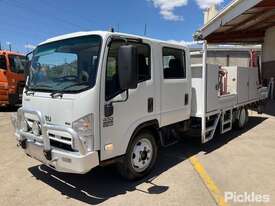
{"points": [[208, 182]]}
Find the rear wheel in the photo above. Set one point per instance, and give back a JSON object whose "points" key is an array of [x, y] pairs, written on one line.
{"points": [[242, 118], [140, 157]]}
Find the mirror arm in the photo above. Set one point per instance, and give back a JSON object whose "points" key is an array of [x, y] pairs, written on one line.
{"points": [[124, 100], [109, 109]]}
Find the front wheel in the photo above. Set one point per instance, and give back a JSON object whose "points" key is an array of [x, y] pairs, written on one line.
{"points": [[140, 157]]}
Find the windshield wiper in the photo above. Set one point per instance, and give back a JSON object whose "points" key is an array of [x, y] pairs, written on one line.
{"points": [[31, 90], [59, 93]]}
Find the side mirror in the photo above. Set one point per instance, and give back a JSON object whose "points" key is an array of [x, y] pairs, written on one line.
{"points": [[27, 68], [127, 67], [28, 64]]}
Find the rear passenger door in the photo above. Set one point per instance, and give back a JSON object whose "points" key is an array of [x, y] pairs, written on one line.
{"points": [[175, 86]]}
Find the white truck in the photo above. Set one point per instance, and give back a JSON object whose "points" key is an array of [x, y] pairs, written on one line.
{"points": [[94, 98]]}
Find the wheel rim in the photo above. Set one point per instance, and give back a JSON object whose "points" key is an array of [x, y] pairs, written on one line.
{"points": [[242, 118], [142, 155]]}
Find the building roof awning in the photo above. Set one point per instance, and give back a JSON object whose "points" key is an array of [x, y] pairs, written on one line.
{"points": [[242, 21]]}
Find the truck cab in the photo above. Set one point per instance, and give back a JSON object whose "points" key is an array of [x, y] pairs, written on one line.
{"points": [[12, 78], [94, 98]]}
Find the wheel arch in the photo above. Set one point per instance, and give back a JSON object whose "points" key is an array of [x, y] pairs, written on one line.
{"points": [[152, 126]]}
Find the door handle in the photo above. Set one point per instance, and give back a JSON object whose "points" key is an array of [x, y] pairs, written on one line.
{"points": [[150, 104], [186, 99]]}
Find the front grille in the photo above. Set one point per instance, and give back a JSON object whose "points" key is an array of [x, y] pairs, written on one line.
{"points": [[61, 145], [61, 142], [62, 139], [54, 137], [58, 140]]}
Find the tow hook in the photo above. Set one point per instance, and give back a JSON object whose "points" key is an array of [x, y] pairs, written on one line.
{"points": [[22, 143], [48, 154]]}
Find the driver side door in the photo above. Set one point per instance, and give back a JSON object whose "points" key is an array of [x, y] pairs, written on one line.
{"points": [[116, 129]]}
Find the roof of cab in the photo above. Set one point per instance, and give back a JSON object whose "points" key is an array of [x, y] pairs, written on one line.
{"points": [[10, 52], [106, 34]]}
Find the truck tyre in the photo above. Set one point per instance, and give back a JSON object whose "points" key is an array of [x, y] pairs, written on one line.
{"points": [[140, 157], [242, 119]]}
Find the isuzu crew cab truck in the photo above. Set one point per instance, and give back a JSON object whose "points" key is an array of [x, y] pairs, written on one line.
{"points": [[12, 78], [94, 98]]}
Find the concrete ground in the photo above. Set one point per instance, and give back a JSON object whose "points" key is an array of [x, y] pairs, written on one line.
{"points": [[240, 161]]}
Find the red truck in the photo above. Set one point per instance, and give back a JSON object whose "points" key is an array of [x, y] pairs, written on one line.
{"points": [[12, 78]]}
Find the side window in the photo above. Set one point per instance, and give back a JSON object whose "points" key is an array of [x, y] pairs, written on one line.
{"points": [[112, 87], [3, 62], [174, 63], [144, 62]]}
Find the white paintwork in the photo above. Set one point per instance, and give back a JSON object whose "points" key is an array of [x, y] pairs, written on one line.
{"points": [[172, 96], [244, 82], [66, 110], [204, 96], [173, 108], [227, 101], [197, 91], [105, 35], [243, 87], [168, 97], [212, 80], [127, 115], [253, 86], [213, 102]]}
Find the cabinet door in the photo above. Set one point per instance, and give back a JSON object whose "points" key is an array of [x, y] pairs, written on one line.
{"points": [[253, 83], [243, 84], [212, 91]]}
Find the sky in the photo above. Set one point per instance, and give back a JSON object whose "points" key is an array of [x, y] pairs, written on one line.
{"points": [[26, 23]]}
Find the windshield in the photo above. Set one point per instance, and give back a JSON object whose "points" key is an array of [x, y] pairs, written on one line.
{"points": [[68, 65], [17, 63]]}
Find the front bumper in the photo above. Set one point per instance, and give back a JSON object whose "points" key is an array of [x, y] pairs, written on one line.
{"points": [[62, 161], [80, 161]]}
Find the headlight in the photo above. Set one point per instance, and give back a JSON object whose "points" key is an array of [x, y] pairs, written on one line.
{"points": [[84, 128]]}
